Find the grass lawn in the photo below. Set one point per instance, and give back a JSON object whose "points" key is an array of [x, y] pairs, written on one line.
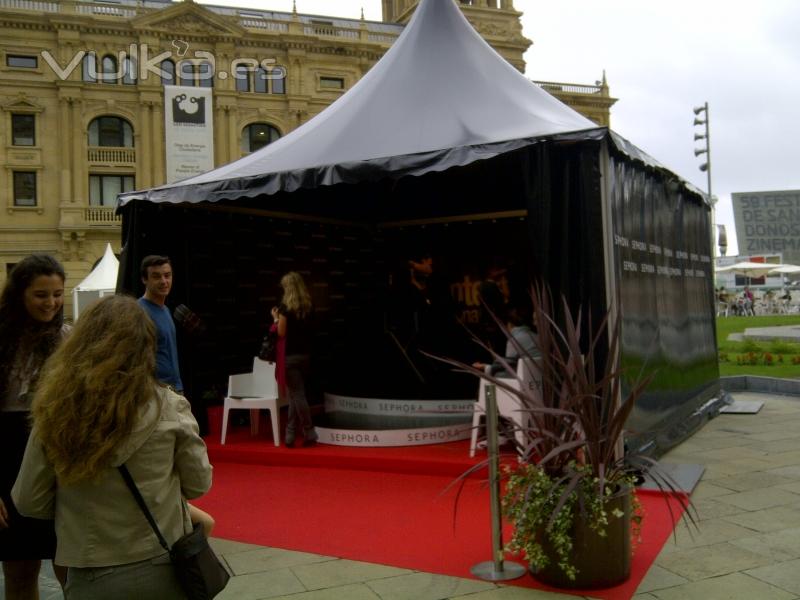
{"points": [[781, 353]]}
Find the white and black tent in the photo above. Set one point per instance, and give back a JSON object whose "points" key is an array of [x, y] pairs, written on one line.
{"points": [[444, 145]]}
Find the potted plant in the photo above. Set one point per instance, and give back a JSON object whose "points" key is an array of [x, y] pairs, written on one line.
{"points": [[571, 495]]}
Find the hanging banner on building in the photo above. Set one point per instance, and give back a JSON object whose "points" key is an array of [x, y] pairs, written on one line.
{"points": [[188, 131]]}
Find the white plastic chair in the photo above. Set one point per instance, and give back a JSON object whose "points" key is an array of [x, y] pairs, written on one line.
{"points": [[254, 391], [508, 405]]}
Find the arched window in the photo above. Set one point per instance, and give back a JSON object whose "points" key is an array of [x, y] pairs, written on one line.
{"points": [[109, 70], [167, 72], [90, 67], [242, 76], [110, 131], [258, 135]]}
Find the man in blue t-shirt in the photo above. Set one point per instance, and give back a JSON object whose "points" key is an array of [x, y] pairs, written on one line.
{"points": [[156, 272]]}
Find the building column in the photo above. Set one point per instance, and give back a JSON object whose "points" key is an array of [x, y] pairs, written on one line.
{"points": [[65, 135], [221, 154], [79, 158], [159, 154], [144, 176], [233, 133]]}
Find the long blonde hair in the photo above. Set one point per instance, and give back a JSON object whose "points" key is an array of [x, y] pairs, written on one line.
{"points": [[295, 294], [93, 386]]}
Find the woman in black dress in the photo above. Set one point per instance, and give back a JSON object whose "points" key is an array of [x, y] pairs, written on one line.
{"points": [[31, 326]]}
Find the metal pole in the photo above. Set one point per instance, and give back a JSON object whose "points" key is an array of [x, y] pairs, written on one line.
{"points": [[496, 569], [711, 202], [708, 154]]}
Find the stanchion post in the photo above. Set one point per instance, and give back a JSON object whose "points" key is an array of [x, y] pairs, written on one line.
{"points": [[497, 569]]}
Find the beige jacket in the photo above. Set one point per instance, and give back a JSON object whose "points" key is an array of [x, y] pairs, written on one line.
{"points": [[98, 523]]}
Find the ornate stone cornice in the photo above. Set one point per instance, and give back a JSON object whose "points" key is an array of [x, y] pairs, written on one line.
{"points": [[22, 104], [188, 18], [27, 25]]}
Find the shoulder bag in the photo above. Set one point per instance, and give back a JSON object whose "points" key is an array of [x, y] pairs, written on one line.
{"points": [[200, 573]]}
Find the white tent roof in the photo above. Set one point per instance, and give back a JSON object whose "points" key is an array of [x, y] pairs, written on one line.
{"points": [[103, 276], [440, 97], [786, 269]]}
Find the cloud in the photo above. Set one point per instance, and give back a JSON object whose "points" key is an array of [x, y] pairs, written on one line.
{"points": [[662, 59]]}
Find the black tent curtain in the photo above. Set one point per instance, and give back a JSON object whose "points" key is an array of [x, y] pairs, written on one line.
{"points": [[565, 224], [664, 275]]}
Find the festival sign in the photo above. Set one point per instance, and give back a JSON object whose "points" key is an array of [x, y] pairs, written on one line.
{"points": [[768, 223], [188, 131]]}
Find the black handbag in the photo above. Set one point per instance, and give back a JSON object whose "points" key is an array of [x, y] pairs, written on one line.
{"points": [[200, 573], [269, 346]]}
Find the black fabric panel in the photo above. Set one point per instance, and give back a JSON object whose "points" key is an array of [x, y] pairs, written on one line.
{"points": [[662, 258], [565, 221]]}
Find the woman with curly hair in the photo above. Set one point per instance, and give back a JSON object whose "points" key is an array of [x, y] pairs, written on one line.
{"points": [[293, 318], [99, 406], [31, 326]]}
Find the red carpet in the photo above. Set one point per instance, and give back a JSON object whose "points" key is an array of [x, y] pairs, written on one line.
{"points": [[391, 516]]}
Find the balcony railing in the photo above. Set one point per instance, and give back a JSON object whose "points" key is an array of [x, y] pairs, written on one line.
{"points": [[569, 88], [112, 155], [264, 24], [101, 215], [382, 38], [331, 31], [33, 5], [105, 10]]}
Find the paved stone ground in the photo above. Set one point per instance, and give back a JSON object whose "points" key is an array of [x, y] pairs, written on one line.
{"points": [[748, 546], [785, 333]]}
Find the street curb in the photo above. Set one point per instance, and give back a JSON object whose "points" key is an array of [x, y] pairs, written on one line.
{"points": [[753, 383]]}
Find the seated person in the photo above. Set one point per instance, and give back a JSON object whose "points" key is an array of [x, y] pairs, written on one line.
{"points": [[524, 337]]}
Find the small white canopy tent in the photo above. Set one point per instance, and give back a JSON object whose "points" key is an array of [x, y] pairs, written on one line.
{"points": [[102, 281]]}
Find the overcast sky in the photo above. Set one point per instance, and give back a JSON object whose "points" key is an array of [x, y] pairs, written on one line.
{"points": [[661, 60]]}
